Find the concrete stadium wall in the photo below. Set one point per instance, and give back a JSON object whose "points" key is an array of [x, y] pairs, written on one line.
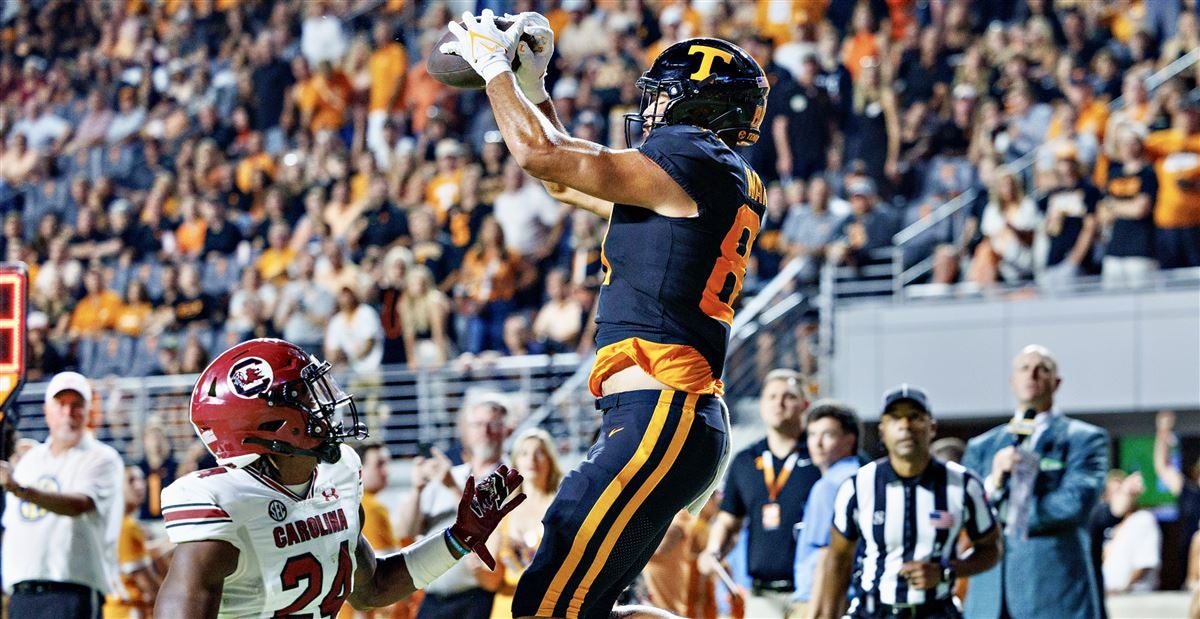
{"points": [[1117, 352]]}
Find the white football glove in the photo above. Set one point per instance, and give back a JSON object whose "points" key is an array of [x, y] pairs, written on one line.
{"points": [[531, 74], [487, 48]]}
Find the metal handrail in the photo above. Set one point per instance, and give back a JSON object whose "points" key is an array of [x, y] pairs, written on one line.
{"points": [[401, 405], [739, 333], [938, 214], [756, 306], [1018, 166]]}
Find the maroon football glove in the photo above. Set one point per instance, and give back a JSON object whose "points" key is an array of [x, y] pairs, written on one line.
{"points": [[482, 507]]}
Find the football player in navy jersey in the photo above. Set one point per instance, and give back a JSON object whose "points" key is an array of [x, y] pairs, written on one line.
{"points": [[683, 211]]}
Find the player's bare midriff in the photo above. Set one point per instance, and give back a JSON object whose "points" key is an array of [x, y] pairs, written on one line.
{"points": [[631, 378]]}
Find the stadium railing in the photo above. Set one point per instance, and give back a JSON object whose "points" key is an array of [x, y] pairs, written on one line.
{"points": [[401, 406], [759, 338], [904, 274]]}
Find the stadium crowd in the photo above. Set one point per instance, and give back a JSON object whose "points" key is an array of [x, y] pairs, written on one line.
{"points": [[182, 175]]}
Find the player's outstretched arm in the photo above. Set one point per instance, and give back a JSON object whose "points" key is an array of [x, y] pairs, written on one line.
{"points": [[622, 176], [380, 581], [192, 588], [537, 140]]}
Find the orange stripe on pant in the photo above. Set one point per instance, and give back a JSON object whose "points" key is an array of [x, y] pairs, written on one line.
{"points": [[677, 440], [610, 495]]}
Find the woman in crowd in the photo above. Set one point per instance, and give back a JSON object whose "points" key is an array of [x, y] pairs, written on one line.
{"points": [[134, 315], [490, 277], [423, 310], [520, 533], [1008, 226]]}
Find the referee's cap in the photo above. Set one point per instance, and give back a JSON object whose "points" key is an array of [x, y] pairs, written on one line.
{"points": [[906, 392]]}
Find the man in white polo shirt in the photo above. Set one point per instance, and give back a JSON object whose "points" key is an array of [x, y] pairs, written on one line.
{"points": [[63, 514]]}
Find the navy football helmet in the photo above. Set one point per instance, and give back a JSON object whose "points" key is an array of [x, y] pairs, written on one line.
{"points": [[709, 83]]}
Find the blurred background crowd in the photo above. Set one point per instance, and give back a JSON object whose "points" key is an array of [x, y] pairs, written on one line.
{"points": [[183, 175]]}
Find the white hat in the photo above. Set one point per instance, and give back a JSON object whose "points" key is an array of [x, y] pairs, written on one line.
{"points": [[447, 147], [566, 88], [69, 381], [671, 16], [37, 320]]}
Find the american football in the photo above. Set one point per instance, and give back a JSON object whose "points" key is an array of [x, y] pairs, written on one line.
{"points": [[453, 70]]}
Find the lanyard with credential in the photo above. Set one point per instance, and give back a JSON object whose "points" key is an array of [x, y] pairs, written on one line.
{"points": [[771, 516]]}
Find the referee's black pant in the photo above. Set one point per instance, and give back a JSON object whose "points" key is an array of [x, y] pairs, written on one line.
{"points": [[869, 607], [45, 599]]}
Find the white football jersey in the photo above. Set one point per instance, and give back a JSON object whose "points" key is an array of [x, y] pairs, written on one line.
{"points": [[296, 553]]}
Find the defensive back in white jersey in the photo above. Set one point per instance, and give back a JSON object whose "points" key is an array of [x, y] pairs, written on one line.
{"points": [[296, 552]]}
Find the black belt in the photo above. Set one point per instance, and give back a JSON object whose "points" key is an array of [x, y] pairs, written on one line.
{"points": [[758, 585], [876, 608], [49, 586]]}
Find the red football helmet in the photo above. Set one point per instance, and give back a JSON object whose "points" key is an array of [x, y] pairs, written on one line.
{"points": [[269, 396]]}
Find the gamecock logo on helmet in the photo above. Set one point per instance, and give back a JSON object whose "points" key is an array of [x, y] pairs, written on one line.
{"points": [[250, 377]]}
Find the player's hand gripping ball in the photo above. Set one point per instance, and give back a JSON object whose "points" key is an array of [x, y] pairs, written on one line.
{"points": [[450, 64], [482, 507]]}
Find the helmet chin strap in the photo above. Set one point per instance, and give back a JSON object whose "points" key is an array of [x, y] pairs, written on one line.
{"points": [[327, 452]]}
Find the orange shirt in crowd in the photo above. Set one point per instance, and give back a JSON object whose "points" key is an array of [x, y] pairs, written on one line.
{"points": [[489, 277], [1092, 119], [861, 47], [443, 192], [358, 187], [668, 590], [421, 92], [387, 66], [377, 528], [189, 236], [132, 555], [558, 19], [131, 318], [95, 313], [325, 100], [252, 165], [1177, 162], [902, 15], [776, 19], [1127, 20], [273, 264], [702, 590]]}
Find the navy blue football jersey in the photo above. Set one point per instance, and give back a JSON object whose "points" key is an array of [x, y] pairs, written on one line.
{"points": [[670, 283]]}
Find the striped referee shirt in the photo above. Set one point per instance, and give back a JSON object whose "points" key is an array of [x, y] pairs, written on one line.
{"points": [[913, 519]]}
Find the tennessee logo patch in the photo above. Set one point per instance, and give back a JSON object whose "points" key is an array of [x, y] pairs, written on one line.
{"points": [[250, 377]]}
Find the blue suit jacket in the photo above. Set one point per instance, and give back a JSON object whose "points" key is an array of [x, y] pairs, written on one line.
{"points": [[1050, 574]]}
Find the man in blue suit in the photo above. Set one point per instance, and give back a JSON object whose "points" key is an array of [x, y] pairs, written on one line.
{"points": [[1048, 573]]}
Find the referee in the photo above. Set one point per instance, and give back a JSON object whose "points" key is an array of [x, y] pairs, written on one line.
{"points": [[908, 510]]}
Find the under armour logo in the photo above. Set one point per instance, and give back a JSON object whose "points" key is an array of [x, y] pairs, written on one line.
{"points": [[877, 518], [330, 494]]}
